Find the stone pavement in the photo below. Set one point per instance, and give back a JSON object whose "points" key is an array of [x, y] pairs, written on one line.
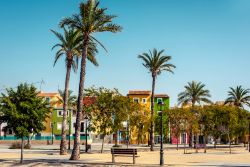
{"points": [[172, 157]]}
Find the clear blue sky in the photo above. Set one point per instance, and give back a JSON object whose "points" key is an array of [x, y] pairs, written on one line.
{"points": [[209, 41]]}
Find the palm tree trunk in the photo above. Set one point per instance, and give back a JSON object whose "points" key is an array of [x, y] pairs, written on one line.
{"points": [[75, 155], [63, 145], [152, 114], [22, 145]]}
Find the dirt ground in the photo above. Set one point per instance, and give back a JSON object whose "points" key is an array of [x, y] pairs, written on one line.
{"points": [[172, 157]]}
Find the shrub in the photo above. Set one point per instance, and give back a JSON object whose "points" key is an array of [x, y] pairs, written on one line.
{"points": [[17, 145]]}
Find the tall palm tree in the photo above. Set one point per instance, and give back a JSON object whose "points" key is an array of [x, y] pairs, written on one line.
{"points": [[91, 19], [155, 62], [194, 92], [238, 96], [70, 46]]}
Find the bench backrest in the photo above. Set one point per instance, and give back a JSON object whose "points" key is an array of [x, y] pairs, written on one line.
{"points": [[124, 151]]}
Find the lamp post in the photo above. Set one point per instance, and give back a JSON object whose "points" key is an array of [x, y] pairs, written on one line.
{"points": [[127, 133], [86, 139], [52, 133], [69, 133], [161, 150], [249, 133]]}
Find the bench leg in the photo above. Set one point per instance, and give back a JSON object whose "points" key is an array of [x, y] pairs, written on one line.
{"points": [[133, 158], [113, 158]]}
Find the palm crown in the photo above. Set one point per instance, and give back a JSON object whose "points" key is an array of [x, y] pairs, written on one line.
{"points": [[155, 62], [70, 45], [238, 96], [71, 99], [91, 19], [194, 92]]}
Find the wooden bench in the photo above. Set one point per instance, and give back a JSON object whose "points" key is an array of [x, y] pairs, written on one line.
{"points": [[123, 152]]}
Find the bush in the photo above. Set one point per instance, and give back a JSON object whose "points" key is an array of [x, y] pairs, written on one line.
{"points": [[17, 145]]}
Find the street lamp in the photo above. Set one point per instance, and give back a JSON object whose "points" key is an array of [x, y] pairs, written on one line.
{"points": [[69, 133], [160, 103], [52, 133], [127, 133], [86, 139], [249, 133]]}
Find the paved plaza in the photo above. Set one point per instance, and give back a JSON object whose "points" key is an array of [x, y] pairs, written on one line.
{"points": [[49, 156]]}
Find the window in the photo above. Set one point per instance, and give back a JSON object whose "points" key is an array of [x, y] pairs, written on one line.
{"points": [[144, 100], [159, 100], [60, 113], [136, 100], [82, 127], [47, 99], [59, 126]]}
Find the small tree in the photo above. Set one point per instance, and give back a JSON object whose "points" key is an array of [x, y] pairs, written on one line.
{"points": [[108, 112], [24, 111]]}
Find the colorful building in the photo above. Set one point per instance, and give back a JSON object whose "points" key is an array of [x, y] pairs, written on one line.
{"points": [[52, 123], [143, 97]]}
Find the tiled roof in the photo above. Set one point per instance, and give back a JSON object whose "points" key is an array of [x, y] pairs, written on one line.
{"points": [[162, 95], [47, 94], [139, 92]]}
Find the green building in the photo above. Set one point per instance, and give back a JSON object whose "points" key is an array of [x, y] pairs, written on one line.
{"points": [[161, 98]]}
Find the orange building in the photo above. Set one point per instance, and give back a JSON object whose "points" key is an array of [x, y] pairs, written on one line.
{"points": [[52, 99]]}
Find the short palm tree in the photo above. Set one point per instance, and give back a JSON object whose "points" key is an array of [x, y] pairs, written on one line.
{"points": [[71, 99], [238, 96], [194, 92], [91, 19], [156, 62], [70, 47]]}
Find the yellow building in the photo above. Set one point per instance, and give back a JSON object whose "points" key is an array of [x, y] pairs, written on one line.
{"points": [[52, 100], [143, 98]]}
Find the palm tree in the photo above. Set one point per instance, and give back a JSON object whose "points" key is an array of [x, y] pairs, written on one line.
{"points": [[155, 62], [69, 46], [91, 20], [238, 96], [195, 92], [71, 99]]}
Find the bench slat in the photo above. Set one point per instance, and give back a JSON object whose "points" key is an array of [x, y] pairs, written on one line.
{"points": [[124, 151]]}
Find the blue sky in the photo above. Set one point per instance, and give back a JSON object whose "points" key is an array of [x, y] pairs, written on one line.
{"points": [[209, 41]]}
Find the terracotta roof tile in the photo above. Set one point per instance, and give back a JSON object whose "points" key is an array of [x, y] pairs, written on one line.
{"points": [[162, 95], [139, 92], [47, 94]]}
